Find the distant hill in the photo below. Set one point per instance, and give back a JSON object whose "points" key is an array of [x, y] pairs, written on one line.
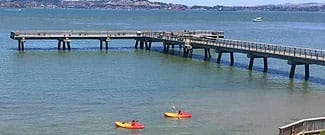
{"points": [[318, 7], [148, 5], [104, 4]]}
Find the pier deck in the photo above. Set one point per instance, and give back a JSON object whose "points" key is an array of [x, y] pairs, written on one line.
{"points": [[188, 40], [311, 126]]}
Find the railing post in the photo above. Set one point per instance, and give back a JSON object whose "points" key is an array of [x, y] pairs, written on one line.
{"points": [[294, 52]]}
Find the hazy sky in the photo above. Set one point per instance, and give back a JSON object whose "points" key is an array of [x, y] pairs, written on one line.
{"points": [[236, 2]]}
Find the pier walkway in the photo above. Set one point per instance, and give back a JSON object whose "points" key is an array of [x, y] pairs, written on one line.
{"points": [[188, 41], [312, 126]]}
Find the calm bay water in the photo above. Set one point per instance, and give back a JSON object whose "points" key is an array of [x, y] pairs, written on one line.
{"points": [[43, 91]]}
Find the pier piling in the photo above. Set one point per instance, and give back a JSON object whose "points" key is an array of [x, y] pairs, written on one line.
{"points": [[232, 61], [68, 44], [107, 42], [207, 53], [63, 45], [306, 72], [21, 45], [292, 71], [136, 44], [59, 44], [251, 63], [148, 45], [219, 57], [101, 44], [231, 54], [265, 65], [141, 44]]}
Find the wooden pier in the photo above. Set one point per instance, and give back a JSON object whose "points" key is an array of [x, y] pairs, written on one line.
{"points": [[312, 126], [188, 41]]}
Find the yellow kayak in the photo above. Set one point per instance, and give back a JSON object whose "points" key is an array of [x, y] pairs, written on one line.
{"points": [[176, 115], [129, 125]]}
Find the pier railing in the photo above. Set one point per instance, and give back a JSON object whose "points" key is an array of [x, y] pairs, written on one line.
{"points": [[110, 34], [71, 34], [304, 127], [280, 50], [307, 53]]}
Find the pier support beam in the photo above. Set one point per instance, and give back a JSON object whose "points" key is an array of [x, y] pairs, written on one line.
{"points": [[251, 62], [21, 46], [66, 41], [68, 45], [59, 44], [306, 72], [219, 57], [293, 69], [136, 44], [166, 47], [63, 46], [148, 45], [107, 42], [187, 51], [232, 59], [207, 54], [100, 44], [265, 65], [141, 44], [187, 48]]}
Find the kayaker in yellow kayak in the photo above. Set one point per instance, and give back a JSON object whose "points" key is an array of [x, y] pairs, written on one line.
{"points": [[177, 114]]}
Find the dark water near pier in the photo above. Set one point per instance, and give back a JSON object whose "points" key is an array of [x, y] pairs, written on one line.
{"points": [[43, 91]]}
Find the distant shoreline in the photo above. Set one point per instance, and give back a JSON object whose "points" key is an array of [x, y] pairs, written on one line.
{"points": [[162, 10], [147, 5]]}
